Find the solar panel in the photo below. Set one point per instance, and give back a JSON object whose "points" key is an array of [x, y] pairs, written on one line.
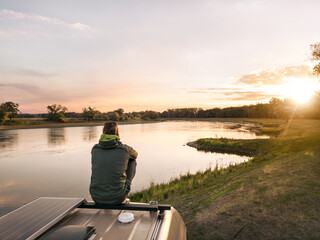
{"points": [[34, 218]]}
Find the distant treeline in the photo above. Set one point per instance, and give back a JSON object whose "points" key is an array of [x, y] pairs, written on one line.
{"points": [[116, 115], [9, 111], [276, 108]]}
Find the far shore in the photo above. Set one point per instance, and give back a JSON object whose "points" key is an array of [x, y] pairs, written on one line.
{"points": [[264, 126], [261, 126], [46, 124]]}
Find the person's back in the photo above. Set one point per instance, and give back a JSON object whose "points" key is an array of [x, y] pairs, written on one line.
{"points": [[113, 167]]}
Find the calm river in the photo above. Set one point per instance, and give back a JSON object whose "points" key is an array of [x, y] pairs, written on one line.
{"points": [[56, 161]]}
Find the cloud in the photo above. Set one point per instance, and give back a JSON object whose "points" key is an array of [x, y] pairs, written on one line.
{"points": [[236, 94], [275, 77], [26, 72], [249, 96], [34, 73], [28, 88], [11, 33], [214, 90], [12, 15], [29, 94], [80, 26]]}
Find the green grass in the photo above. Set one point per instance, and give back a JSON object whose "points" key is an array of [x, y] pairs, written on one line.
{"points": [[276, 195], [224, 145], [266, 130]]}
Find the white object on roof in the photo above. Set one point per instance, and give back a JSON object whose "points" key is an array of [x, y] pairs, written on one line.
{"points": [[126, 217]]}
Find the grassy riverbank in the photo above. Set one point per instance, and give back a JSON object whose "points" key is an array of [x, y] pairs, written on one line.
{"points": [[276, 195], [41, 123]]}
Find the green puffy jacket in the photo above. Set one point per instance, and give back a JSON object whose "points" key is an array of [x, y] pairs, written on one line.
{"points": [[109, 161]]}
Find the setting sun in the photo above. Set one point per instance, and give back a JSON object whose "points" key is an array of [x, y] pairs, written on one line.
{"points": [[299, 89]]}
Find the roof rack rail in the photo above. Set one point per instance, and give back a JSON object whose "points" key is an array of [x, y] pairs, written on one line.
{"points": [[127, 206]]}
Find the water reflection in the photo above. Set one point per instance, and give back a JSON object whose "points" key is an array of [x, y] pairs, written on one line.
{"points": [[89, 133], [10, 196], [8, 140], [56, 136]]}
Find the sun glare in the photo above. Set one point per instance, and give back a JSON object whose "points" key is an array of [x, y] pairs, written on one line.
{"points": [[299, 89]]}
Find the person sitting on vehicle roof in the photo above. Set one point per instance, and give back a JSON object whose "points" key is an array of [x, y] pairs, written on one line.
{"points": [[113, 167]]}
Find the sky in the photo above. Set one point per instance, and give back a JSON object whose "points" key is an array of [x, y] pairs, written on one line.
{"points": [[154, 55]]}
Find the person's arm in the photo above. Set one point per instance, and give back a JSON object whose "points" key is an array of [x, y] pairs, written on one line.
{"points": [[132, 153]]}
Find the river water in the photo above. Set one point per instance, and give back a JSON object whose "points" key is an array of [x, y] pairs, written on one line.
{"points": [[56, 161]]}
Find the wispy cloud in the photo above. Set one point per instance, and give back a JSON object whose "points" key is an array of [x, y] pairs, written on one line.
{"points": [[249, 96], [236, 94], [26, 72], [30, 94], [276, 76], [13, 15], [11, 33], [6, 88], [214, 90]]}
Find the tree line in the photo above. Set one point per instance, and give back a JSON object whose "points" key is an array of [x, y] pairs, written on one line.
{"points": [[275, 108], [59, 113]]}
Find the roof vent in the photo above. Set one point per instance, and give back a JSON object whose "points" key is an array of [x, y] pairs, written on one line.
{"points": [[126, 217]]}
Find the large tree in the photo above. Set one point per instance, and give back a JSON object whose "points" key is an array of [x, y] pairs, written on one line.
{"points": [[120, 111], [315, 52], [114, 116], [3, 113], [12, 109], [56, 113], [90, 113]]}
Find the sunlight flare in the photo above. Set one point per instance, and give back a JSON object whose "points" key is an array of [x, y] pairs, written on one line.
{"points": [[299, 89]]}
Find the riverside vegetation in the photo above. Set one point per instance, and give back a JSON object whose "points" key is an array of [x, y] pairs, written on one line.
{"points": [[41, 123], [275, 195], [276, 108]]}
